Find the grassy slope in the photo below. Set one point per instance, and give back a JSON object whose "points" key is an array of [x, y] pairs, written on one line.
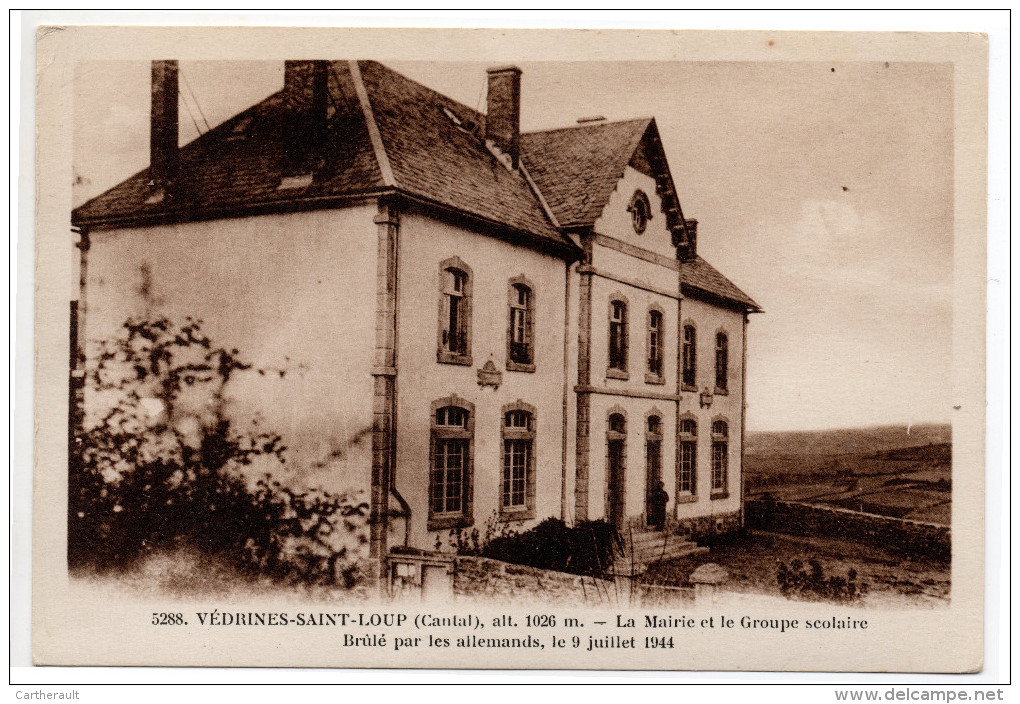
{"points": [[843, 441]]}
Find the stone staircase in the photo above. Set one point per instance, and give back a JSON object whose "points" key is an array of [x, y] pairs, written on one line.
{"points": [[642, 548]]}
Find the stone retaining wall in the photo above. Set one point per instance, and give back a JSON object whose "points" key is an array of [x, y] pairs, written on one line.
{"points": [[916, 537], [482, 578]]}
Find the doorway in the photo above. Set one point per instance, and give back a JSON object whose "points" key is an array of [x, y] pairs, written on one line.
{"points": [[616, 438]]}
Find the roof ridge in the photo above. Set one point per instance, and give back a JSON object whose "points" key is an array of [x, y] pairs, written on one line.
{"points": [[591, 125], [378, 147]]}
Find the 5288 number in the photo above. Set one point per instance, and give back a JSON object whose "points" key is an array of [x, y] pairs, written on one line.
{"points": [[168, 620]]}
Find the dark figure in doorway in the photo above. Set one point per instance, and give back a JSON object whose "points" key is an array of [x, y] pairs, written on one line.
{"points": [[657, 506]]}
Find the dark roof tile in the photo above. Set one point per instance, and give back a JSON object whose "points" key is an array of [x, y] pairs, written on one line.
{"points": [[702, 276], [577, 168]]}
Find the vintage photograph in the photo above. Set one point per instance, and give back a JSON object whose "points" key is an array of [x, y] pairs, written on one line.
{"points": [[625, 335]]}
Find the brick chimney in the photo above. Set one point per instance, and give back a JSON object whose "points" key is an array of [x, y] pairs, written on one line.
{"points": [[163, 127], [306, 93], [503, 108]]}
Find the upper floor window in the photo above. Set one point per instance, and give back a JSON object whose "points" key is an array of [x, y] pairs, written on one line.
{"points": [[518, 488], [720, 455], [655, 345], [455, 313], [640, 210], [618, 336], [721, 361], [450, 476], [520, 335], [689, 356]]}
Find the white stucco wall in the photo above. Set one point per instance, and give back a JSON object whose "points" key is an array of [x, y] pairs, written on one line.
{"points": [[615, 221], [424, 243], [644, 283], [709, 319], [291, 291]]}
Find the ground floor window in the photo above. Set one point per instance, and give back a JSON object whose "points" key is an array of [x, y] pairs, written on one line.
{"points": [[517, 499], [450, 463], [687, 477], [720, 455]]}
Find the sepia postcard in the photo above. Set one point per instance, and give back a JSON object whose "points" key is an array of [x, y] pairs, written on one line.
{"points": [[510, 349]]}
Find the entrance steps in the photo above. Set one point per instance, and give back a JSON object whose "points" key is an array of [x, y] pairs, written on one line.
{"points": [[642, 548]]}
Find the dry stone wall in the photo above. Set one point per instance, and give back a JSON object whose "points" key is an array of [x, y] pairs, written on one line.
{"points": [[915, 537]]}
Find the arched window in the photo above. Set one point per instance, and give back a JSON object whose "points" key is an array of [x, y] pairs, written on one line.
{"points": [[720, 455], [520, 338], [687, 478], [450, 478], [655, 330], [690, 357], [518, 488], [618, 336], [721, 361], [454, 312]]}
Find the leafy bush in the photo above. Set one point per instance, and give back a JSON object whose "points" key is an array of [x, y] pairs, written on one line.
{"points": [[586, 548], [158, 467], [811, 583]]}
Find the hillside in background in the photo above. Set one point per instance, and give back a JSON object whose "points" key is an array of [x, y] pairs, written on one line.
{"points": [[885, 470], [845, 441]]}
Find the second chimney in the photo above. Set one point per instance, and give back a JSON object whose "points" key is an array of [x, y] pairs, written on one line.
{"points": [[163, 132], [306, 90], [503, 107]]}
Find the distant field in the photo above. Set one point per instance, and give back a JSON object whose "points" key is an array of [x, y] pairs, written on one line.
{"points": [[888, 470]]}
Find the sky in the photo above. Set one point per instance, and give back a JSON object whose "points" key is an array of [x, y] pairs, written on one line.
{"points": [[823, 190]]}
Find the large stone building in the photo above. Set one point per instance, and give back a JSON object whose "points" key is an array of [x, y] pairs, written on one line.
{"points": [[490, 326]]}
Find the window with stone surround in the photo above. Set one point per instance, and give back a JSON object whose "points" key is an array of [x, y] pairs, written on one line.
{"points": [[689, 378], [618, 338], [720, 456], [451, 463], [640, 210], [654, 343], [721, 362], [518, 487], [454, 346], [688, 475], [520, 334]]}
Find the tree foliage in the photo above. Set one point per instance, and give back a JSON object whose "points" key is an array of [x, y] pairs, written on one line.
{"points": [[159, 465], [586, 548]]}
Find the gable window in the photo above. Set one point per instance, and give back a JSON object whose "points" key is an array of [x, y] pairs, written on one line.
{"points": [[688, 474], [721, 362], [450, 475], [518, 488], [454, 313], [640, 210], [520, 333], [618, 339], [720, 456], [689, 358], [655, 329]]}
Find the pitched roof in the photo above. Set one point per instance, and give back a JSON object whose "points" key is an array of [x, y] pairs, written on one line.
{"points": [[237, 164], [701, 276], [432, 150], [577, 168], [434, 157]]}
